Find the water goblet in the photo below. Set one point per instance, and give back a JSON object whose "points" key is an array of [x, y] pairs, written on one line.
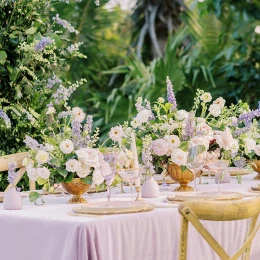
{"points": [[196, 160], [107, 163], [218, 167], [130, 175]]}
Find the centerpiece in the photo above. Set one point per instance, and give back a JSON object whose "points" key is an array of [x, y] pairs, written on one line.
{"points": [[65, 155]]}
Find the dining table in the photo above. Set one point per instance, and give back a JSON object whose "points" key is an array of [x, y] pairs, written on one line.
{"points": [[53, 231]]}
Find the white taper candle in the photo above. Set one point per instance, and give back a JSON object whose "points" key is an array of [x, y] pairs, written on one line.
{"points": [[136, 163]]}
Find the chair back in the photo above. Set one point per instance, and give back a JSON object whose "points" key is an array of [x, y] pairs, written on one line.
{"points": [[195, 210], [18, 158]]}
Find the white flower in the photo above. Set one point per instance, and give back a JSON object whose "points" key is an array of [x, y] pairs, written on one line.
{"points": [[50, 111], [78, 114], [226, 141], [66, 146], [73, 165], [204, 129], [43, 173], [250, 144], [182, 114], [97, 178], [134, 123], [42, 157], [257, 149], [82, 153], [160, 100], [179, 157], [173, 141], [124, 158], [143, 116], [116, 133], [215, 110], [197, 140], [220, 102], [84, 169], [206, 97], [32, 173]]}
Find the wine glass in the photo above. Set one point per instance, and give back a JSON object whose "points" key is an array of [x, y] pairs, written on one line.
{"points": [[107, 163], [218, 167], [196, 160], [130, 175]]}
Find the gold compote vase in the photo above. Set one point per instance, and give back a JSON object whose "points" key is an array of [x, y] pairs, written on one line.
{"points": [[182, 177], [76, 187], [257, 169]]}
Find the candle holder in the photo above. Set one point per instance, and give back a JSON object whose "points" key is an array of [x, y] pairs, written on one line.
{"points": [[138, 196]]}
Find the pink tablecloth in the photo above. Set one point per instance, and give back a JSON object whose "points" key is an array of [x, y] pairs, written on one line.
{"points": [[49, 233]]}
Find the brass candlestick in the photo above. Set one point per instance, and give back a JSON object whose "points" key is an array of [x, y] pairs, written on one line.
{"points": [[138, 197]]}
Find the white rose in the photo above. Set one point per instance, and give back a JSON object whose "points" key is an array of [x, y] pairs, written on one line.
{"points": [[197, 140], [43, 173], [165, 127], [84, 169], [116, 133], [201, 120], [78, 114], [143, 116], [225, 139], [73, 165], [82, 154], [97, 178], [173, 141], [50, 110], [206, 97], [220, 102], [250, 144], [32, 173], [204, 129], [214, 110], [182, 114], [66, 146], [179, 157], [42, 157], [257, 149]]}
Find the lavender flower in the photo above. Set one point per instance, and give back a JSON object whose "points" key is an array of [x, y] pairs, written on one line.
{"points": [[170, 94], [6, 118], [62, 94], [43, 42], [243, 130], [248, 117], [240, 163], [52, 81], [64, 114], [76, 133], [65, 24], [89, 123], [31, 143], [190, 127], [11, 172], [148, 160]]}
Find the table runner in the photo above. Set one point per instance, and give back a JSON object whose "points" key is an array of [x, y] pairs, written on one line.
{"points": [[49, 233]]}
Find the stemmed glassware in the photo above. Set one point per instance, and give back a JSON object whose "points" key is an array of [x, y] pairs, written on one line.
{"points": [[107, 161], [130, 175], [196, 160], [218, 166]]}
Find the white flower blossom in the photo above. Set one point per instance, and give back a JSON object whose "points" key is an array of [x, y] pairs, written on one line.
{"points": [[206, 97], [257, 150], [78, 114], [173, 141], [42, 157], [43, 173], [182, 114], [220, 102], [97, 178], [66, 146], [50, 111], [179, 157], [32, 173], [215, 110], [116, 133], [73, 165]]}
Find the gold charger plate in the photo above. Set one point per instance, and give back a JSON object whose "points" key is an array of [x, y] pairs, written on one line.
{"points": [[222, 195], [234, 171], [114, 207]]}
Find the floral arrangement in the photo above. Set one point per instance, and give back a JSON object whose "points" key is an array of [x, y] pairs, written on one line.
{"points": [[165, 133], [67, 151]]}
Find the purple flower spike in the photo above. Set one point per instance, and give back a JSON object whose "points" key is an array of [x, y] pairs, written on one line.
{"points": [[170, 94], [11, 172], [43, 42]]}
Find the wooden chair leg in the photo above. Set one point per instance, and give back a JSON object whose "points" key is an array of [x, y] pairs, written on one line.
{"points": [[183, 239]]}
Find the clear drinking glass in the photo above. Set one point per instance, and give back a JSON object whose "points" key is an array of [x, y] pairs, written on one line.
{"points": [[218, 167], [107, 163], [130, 175], [196, 160]]}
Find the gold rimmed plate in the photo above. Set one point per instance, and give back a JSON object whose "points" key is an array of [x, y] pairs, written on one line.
{"points": [[234, 171], [209, 195], [114, 207], [255, 188]]}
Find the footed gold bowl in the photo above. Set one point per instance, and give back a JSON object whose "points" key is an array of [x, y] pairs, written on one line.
{"points": [[76, 187], [183, 178], [257, 169]]}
